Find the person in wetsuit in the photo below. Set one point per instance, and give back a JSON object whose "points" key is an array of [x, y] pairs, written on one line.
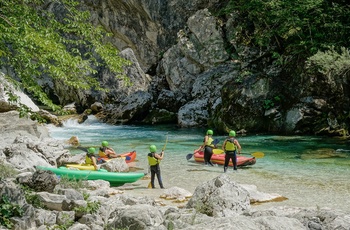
{"points": [[208, 146], [230, 147], [154, 161]]}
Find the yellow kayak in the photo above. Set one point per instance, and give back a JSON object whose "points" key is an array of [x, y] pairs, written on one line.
{"points": [[84, 166], [81, 166]]}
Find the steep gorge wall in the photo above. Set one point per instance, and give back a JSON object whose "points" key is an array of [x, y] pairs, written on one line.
{"points": [[187, 69]]}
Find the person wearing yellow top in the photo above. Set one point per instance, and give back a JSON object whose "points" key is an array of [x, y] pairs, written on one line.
{"points": [[230, 147], [154, 161], [208, 146], [107, 152], [90, 157]]}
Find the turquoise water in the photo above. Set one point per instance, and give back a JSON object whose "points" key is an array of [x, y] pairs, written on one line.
{"points": [[310, 171]]}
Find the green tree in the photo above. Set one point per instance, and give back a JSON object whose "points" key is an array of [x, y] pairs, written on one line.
{"points": [[295, 27], [35, 43]]}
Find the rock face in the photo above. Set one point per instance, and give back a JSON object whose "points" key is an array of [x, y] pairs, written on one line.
{"points": [[197, 81], [5, 98], [189, 68]]}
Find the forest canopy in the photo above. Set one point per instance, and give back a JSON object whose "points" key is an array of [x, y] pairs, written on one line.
{"points": [[295, 28]]}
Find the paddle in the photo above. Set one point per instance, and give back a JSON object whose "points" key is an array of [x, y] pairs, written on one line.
{"points": [[215, 142], [220, 151], [189, 156], [215, 151], [258, 154]]}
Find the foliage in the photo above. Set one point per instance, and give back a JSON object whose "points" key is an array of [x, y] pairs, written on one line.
{"points": [[8, 210], [67, 48], [66, 223], [65, 182], [6, 170], [295, 27], [91, 207], [270, 103], [330, 62], [31, 197]]}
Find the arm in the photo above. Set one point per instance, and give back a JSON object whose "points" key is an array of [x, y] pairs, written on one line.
{"points": [[93, 159], [111, 153], [223, 145], [159, 156], [203, 145], [239, 146]]}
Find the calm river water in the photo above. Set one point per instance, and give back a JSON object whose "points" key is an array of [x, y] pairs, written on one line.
{"points": [[310, 171]]}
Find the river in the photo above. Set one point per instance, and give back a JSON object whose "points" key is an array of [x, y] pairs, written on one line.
{"points": [[310, 171]]}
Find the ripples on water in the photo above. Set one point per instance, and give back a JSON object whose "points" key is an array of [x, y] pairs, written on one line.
{"points": [[310, 171]]}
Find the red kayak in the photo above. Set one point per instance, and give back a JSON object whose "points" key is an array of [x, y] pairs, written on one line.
{"points": [[220, 159], [129, 157]]}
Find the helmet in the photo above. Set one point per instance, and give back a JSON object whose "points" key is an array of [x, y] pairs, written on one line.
{"points": [[104, 143], [152, 148], [91, 150], [232, 133], [210, 132]]}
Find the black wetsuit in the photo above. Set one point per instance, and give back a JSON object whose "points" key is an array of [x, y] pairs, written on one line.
{"points": [[230, 155], [155, 170], [208, 152]]}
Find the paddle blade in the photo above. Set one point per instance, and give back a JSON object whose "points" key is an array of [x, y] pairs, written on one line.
{"points": [[218, 151], [189, 156], [216, 141], [149, 185], [258, 154]]}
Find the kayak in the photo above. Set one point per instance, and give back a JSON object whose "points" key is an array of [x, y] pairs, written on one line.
{"points": [[114, 178], [129, 157], [220, 159]]}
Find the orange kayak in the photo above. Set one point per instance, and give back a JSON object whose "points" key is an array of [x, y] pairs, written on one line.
{"points": [[220, 159], [129, 157]]}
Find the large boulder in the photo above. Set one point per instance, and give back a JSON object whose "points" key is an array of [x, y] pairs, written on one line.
{"points": [[220, 197]]}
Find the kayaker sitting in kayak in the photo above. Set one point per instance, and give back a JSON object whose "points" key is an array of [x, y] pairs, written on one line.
{"points": [[107, 152], [90, 157]]}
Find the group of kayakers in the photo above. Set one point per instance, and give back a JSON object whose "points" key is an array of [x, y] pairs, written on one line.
{"points": [[104, 153], [230, 146]]}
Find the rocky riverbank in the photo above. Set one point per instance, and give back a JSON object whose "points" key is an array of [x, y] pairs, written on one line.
{"points": [[50, 203]]}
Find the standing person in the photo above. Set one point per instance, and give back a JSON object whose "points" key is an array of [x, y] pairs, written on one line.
{"points": [[90, 157], [208, 146], [154, 161], [107, 152], [230, 147]]}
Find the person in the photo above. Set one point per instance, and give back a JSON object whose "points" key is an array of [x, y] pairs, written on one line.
{"points": [[107, 152], [230, 147], [154, 161], [90, 157], [208, 146]]}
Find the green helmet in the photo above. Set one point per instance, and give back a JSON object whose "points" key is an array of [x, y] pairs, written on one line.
{"points": [[152, 148], [210, 132], [104, 143], [232, 133], [91, 150]]}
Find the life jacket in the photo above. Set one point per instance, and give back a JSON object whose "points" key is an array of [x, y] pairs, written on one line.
{"points": [[230, 144], [152, 161], [88, 160], [210, 142], [101, 152]]}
